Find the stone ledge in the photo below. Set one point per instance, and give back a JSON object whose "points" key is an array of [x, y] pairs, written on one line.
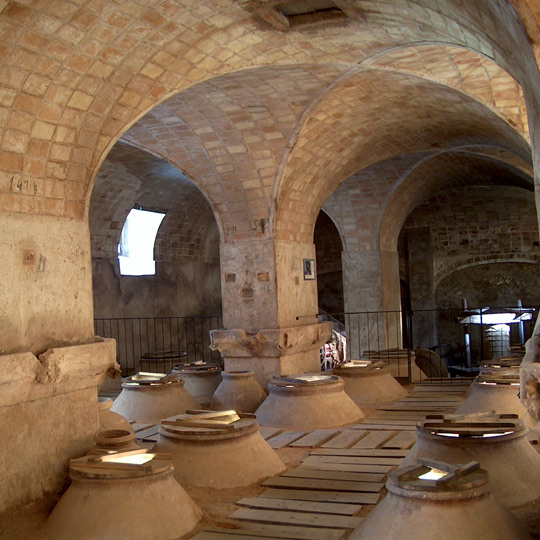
{"points": [[25, 377], [275, 342]]}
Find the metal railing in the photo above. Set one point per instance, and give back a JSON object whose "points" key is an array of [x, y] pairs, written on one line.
{"points": [[452, 342], [159, 343]]}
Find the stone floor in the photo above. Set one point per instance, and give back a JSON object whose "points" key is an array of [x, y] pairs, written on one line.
{"points": [[334, 478]]}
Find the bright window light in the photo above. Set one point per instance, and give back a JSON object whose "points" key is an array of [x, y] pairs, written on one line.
{"points": [[136, 247]]}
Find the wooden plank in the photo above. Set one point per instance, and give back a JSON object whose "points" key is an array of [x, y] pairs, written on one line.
{"points": [[326, 521], [262, 530], [374, 439], [314, 439], [301, 472], [300, 506], [225, 534], [345, 439], [267, 432], [318, 484], [140, 426], [148, 433], [285, 438], [415, 408], [345, 497], [390, 427], [360, 452], [400, 415], [432, 396], [422, 398], [404, 422], [404, 440], [315, 463], [397, 415], [447, 389], [351, 460]]}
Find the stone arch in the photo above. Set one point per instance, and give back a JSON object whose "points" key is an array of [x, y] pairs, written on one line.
{"points": [[416, 184], [350, 137], [328, 242], [526, 258], [464, 69]]}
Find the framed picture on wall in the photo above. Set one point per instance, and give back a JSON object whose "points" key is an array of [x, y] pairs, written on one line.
{"points": [[309, 268]]}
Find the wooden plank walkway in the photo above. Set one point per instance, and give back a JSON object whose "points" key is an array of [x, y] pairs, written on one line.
{"points": [[344, 473]]}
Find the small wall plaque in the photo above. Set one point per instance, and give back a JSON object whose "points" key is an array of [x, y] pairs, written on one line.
{"points": [[309, 268]]}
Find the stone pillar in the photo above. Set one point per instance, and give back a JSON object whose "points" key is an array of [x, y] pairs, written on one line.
{"points": [[424, 323], [46, 285], [268, 352], [372, 297], [49, 411], [269, 309], [50, 362]]}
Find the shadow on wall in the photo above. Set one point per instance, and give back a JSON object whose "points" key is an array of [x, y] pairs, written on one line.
{"points": [[177, 289]]}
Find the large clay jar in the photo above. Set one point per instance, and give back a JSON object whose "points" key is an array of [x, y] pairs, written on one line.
{"points": [[498, 442], [128, 503], [308, 406], [370, 383], [109, 419], [153, 402], [113, 440], [201, 380], [238, 391], [219, 458], [493, 394], [424, 509]]}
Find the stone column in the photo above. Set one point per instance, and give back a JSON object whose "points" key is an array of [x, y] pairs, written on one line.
{"points": [[50, 362], [372, 297], [269, 309], [420, 248]]}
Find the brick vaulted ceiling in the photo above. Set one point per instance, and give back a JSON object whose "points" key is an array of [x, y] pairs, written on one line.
{"points": [[267, 124]]}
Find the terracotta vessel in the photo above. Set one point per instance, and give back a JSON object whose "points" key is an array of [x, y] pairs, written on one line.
{"points": [[144, 401], [319, 403], [110, 504], [109, 419], [219, 458], [238, 390], [201, 380], [461, 506], [370, 383], [496, 394], [499, 442]]}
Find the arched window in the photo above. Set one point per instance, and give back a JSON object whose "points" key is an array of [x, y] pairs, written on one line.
{"points": [[136, 247]]}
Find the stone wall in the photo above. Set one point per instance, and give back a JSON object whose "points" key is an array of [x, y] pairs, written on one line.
{"points": [[497, 284], [46, 285], [48, 406], [178, 289]]}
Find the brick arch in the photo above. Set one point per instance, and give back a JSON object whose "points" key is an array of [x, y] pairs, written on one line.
{"points": [[357, 205], [329, 243], [478, 224], [328, 249], [373, 116], [132, 177], [76, 77], [445, 170], [229, 134], [463, 69], [526, 258]]}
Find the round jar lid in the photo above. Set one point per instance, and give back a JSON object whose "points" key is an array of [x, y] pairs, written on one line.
{"points": [[118, 465], [429, 475], [206, 425], [486, 425], [304, 379], [146, 379], [195, 367]]}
